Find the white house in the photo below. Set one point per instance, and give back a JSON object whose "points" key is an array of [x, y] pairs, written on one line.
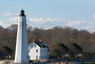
{"points": [[38, 51]]}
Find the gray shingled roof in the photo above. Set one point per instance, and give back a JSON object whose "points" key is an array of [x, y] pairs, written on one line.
{"points": [[42, 45]]}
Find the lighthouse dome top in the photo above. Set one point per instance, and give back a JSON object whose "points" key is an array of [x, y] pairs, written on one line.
{"points": [[22, 13]]}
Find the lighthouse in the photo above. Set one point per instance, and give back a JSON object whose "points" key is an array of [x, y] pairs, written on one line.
{"points": [[21, 53]]}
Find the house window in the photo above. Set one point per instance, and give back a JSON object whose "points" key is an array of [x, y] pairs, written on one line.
{"points": [[35, 46], [41, 57], [44, 50], [45, 57], [41, 50], [36, 50]]}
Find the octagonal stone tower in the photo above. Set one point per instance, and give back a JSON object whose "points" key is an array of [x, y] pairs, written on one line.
{"points": [[21, 53]]}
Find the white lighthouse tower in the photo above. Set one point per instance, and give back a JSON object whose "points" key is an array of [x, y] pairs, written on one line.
{"points": [[21, 53]]}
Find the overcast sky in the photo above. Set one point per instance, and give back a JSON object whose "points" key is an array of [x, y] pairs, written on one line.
{"points": [[79, 14]]}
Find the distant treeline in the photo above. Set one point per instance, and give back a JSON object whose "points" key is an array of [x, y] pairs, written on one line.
{"points": [[59, 40]]}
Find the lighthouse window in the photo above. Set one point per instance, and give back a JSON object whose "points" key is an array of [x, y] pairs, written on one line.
{"points": [[36, 57], [36, 50], [29, 57]]}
